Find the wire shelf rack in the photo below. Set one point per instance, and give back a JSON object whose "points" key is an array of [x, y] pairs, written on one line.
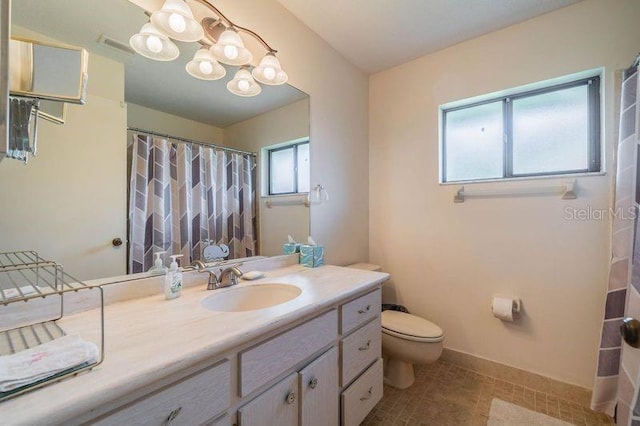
{"points": [[25, 276]]}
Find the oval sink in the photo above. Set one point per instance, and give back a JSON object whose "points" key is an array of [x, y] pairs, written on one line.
{"points": [[250, 297]]}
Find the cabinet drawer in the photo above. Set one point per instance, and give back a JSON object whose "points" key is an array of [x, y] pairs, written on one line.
{"points": [[359, 311], [360, 349], [268, 360], [276, 406], [360, 398], [192, 400]]}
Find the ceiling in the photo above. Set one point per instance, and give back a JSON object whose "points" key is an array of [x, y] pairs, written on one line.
{"points": [[378, 34], [148, 83], [372, 34]]}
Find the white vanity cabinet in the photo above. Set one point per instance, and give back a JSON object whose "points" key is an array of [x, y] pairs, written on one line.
{"points": [[323, 371], [360, 352], [267, 361], [349, 375], [308, 397], [319, 389], [196, 399], [276, 406]]}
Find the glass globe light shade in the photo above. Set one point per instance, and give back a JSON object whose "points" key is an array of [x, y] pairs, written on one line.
{"points": [[230, 49], [204, 66], [269, 71], [243, 84], [176, 20], [154, 44]]}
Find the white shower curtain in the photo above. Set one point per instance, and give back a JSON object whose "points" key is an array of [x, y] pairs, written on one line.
{"points": [[183, 194]]}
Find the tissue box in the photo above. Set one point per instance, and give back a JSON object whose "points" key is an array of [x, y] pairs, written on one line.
{"points": [[311, 256], [290, 248]]}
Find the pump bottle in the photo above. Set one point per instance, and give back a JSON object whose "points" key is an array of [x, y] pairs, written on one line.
{"points": [[173, 279]]}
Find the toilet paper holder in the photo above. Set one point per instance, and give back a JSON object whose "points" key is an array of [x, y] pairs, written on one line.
{"points": [[516, 307]]}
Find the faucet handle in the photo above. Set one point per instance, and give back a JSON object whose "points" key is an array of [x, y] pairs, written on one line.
{"points": [[198, 265]]}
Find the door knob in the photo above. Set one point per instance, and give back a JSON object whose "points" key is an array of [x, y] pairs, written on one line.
{"points": [[117, 242], [630, 330]]}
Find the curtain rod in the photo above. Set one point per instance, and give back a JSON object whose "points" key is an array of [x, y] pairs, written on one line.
{"points": [[191, 141]]}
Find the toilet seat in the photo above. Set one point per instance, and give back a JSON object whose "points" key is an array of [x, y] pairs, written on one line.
{"points": [[410, 327]]}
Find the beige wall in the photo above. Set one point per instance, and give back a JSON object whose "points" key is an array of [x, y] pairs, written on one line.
{"points": [[284, 124], [446, 259], [161, 122], [69, 202], [339, 124]]}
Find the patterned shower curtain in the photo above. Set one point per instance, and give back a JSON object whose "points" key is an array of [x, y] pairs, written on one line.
{"points": [[183, 194], [615, 380]]}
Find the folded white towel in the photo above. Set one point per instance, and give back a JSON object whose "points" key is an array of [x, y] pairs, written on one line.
{"points": [[12, 293], [42, 361]]}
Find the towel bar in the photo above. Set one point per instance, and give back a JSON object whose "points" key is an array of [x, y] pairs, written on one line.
{"points": [[566, 191]]}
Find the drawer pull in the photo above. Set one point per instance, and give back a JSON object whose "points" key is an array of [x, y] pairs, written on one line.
{"points": [[368, 395], [365, 310], [172, 415], [313, 383], [365, 347], [291, 397]]}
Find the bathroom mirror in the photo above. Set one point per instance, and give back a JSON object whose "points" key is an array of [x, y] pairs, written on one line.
{"points": [[53, 111], [49, 71], [70, 202], [4, 75]]}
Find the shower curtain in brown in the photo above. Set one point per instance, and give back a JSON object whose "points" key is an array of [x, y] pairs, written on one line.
{"points": [[617, 376], [182, 194]]}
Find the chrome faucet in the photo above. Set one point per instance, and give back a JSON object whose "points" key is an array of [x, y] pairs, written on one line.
{"points": [[226, 277], [229, 276]]}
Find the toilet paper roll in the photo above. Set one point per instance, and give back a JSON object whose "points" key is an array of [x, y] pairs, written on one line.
{"points": [[503, 308]]}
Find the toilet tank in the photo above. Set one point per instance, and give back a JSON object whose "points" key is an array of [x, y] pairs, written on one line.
{"points": [[366, 267]]}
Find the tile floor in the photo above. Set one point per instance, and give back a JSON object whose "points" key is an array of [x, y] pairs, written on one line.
{"points": [[446, 394]]}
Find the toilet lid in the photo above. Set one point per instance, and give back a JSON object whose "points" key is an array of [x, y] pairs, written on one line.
{"points": [[410, 327]]}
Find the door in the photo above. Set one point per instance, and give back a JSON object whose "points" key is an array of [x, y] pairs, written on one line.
{"points": [[319, 391], [72, 198], [276, 406]]}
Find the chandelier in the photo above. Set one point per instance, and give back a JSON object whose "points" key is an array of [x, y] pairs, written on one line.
{"points": [[220, 42]]}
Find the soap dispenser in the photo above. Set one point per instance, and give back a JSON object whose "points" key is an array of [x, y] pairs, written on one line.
{"points": [[158, 268], [173, 280]]}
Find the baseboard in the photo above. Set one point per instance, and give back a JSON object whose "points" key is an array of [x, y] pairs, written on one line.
{"points": [[537, 382]]}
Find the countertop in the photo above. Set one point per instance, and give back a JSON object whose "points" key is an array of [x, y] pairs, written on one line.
{"points": [[150, 338]]}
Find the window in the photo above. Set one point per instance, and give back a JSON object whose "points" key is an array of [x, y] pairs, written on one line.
{"points": [[550, 131], [289, 169]]}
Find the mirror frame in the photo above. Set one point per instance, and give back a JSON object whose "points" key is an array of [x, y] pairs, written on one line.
{"points": [[81, 96], [5, 32]]}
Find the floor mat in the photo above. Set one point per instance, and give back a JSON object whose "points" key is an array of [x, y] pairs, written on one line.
{"points": [[505, 413]]}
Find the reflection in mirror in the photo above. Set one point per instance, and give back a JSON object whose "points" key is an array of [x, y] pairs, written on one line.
{"points": [[72, 200], [47, 71], [5, 6], [53, 111]]}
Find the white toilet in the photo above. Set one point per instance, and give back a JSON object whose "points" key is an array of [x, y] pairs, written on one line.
{"points": [[406, 340]]}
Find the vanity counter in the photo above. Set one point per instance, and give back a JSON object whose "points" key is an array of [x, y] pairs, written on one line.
{"points": [[150, 338]]}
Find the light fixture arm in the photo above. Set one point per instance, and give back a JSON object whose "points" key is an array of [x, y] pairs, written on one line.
{"points": [[222, 17]]}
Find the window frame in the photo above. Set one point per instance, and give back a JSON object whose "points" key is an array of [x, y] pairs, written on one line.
{"points": [[594, 147], [295, 146]]}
